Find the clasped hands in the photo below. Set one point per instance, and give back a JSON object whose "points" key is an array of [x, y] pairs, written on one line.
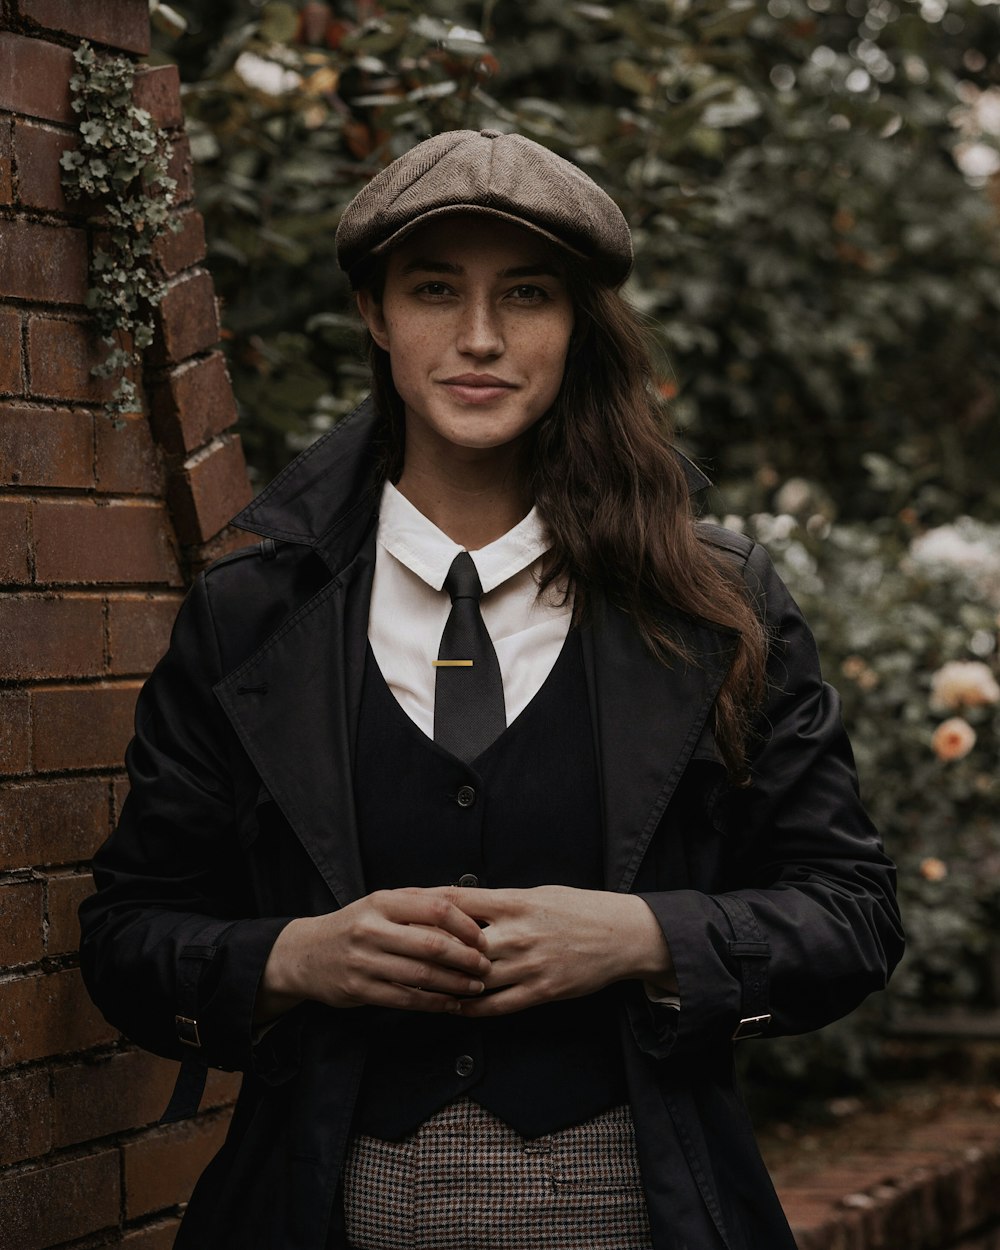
{"points": [[477, 952]]}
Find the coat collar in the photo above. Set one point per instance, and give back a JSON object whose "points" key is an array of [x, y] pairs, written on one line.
{"points": [[325, 497]]}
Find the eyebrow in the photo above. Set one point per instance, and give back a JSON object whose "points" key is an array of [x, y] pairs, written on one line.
{"points": [[423, 264]]}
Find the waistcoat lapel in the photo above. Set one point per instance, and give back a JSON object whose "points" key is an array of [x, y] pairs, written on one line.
{"points": [[647, 721], [294, 705]]}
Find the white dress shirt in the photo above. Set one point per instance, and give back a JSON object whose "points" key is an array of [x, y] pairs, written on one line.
{"points": [[409, 606]]}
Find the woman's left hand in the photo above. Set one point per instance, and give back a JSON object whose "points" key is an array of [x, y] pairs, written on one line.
{"points": [[555, 941]]}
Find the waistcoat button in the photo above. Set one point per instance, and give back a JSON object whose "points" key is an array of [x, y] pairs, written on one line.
{"points": [[466, 796], [464, 1065], [468, 879]]}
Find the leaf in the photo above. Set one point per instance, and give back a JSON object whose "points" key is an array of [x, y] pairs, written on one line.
{"points": [[630, 75], [279, 22]]}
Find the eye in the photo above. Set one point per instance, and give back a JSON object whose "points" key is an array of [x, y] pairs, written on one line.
{"points": [[528, 293], [436, 290]]}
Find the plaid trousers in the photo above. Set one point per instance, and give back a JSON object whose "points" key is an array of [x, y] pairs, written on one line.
{"points": [[466, 1181]]}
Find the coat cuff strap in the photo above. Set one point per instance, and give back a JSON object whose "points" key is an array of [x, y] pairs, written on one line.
{"points": [[752, 954]]}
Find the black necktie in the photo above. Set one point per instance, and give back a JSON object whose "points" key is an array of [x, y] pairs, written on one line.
{"points": [[468, 698]]}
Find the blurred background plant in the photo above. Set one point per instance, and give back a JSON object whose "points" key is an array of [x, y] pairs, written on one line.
{"points": [[811, 186], [906, 621], [814, 191]]}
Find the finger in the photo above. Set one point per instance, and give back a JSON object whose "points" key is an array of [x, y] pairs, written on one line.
{"points": [[501, 1003], [435, 948], [428, 907], [421, 975], [480, 904], [408, 998]]}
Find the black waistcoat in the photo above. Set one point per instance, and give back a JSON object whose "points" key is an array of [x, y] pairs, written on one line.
{"points": [[525, 813]]}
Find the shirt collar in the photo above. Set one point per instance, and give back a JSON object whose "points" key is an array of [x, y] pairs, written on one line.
{"points": [[407, 534]]}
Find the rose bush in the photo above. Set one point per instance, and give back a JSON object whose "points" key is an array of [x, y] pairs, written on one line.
{"points": [[907, 626]]}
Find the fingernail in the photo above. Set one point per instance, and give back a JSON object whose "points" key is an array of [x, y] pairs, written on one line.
{"points": [[454, 1008], [476, 987]]}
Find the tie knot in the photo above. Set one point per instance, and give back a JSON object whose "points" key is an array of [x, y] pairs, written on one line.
{"points": [[462, 581]]}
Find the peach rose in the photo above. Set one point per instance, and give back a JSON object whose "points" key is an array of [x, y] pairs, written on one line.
{"points": [[933, 869], [963, 683], [953, 739]]}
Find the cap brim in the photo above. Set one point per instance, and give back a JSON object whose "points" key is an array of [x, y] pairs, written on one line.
{"points": [[475, 210]]}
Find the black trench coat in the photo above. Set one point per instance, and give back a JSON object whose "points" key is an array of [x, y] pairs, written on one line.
{"points": [[776, 900]]}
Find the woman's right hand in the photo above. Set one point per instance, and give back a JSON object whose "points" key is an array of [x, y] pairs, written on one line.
{"points": [[406, 948]]}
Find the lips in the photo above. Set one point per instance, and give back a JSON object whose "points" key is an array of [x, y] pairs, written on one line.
{"points": [[477, 388]]}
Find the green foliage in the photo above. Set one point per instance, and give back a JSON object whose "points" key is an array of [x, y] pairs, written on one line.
{"points": [[906, 624], [820, 275], [120, 166]]}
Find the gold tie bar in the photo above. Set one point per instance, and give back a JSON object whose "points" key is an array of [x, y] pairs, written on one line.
{"points": [[452, 663]]}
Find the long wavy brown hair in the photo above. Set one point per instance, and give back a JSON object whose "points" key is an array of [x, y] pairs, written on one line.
{"points": [[615, 499]]}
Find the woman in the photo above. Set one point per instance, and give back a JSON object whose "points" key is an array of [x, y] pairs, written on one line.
{"points": [[476, 865]]}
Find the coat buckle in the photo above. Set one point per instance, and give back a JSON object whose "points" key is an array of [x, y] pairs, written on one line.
{"points": [[751, 1026]]}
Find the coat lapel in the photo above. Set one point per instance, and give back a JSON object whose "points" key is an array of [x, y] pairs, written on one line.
{"points": [[648, 719], [294, 705]]}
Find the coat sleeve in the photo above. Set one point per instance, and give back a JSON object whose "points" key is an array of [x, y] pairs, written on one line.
{"points": [[167, 952], [805, 923]]}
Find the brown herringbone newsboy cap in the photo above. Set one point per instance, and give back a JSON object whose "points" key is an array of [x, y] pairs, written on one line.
{"points": [[492, 174]]}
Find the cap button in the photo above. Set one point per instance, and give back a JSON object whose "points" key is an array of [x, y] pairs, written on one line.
{"points": [[491, 134]]}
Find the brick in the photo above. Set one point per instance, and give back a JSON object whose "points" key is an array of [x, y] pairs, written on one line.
{"points": [[161, 1167], [11, 362], [187, 321], [177, 250], [158, 1236], [120, 23], [122, 1091], [212, 487], [61, 354], [193, 404], [38, 150], [34, 78], [158, 90], [42, 262], [60, 1202], [127, 460], [81, 726], [6, 161], [26, 1116], [14, 544], [46, 447], [21, 939], [51, 636], [44, 1015], [15, 732], [63, 896], [180, 167], [79, 541], [138, 631], [52, 822]]}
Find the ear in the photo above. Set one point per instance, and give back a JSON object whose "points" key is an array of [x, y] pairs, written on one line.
{"points": [[371, 315]]}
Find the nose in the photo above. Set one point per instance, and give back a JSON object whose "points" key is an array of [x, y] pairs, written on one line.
{"points": [[480, 333]]}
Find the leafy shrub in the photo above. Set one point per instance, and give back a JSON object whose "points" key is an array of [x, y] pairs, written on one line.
{"points": [[906, 622], [808, 185]]}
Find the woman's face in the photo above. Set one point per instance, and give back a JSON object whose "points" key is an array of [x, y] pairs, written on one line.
{"points": [[476, 319]]}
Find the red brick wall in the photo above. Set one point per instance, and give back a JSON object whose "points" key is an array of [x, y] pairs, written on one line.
{"points": [[100, 528]]}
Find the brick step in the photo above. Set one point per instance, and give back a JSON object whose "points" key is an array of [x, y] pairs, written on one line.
{"points": [[920, 1173]]}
